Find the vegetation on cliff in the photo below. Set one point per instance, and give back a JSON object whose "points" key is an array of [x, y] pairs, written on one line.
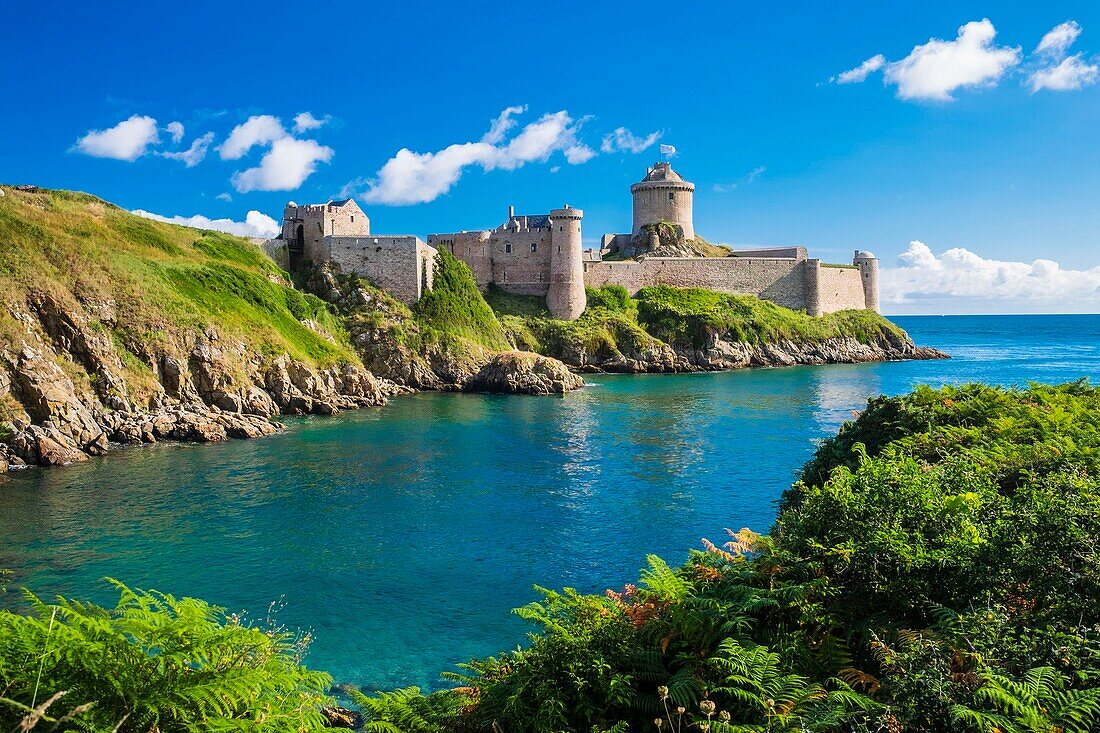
{"points": [[662, 320], [155, 281], [936, 569]]}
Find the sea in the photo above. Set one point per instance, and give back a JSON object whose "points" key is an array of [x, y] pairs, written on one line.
{"points": [[402, 537]]}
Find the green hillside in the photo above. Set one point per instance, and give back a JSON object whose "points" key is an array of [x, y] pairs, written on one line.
{"points": [[150, 284]]}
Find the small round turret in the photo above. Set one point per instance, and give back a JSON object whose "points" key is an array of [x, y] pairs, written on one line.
{"points": [[565, 297], [868, 274]]}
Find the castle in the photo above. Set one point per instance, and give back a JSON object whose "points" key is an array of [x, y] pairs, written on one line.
{"points": [[542, 255]]}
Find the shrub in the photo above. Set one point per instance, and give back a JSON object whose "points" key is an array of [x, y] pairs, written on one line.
{"points": [[155, 662]]}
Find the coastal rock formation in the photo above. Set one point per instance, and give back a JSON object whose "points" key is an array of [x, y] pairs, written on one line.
{"points": [[64, 396], [522, 372], [719, 352]]}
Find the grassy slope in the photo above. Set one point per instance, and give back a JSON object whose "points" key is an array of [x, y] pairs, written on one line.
{"points": [[163, 280], [679, 316], [455, 309]]}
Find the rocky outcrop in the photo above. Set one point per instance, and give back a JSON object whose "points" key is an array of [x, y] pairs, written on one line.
{"points": [[522, 372], [66, 395], [338, 717], [719, 353]]}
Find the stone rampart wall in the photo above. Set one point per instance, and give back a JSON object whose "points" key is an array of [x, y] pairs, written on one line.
{"points": [[401, 264], [841, 288], [778, 280], [526, 269], [473, 248]]}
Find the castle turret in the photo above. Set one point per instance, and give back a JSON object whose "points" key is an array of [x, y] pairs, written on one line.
{"points": [[565, 297], [811, 278], [663, 195], [868, 274]]}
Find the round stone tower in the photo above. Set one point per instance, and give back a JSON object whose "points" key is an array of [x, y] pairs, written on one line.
{"points": [[663, 195], [868, 274], [565, 297]]}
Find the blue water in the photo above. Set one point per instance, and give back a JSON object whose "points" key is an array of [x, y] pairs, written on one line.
{"points": [[403, 535]]}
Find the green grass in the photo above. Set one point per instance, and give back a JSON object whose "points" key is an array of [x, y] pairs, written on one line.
{"points": [[678, 315], [454, 307], [614, 323], [160, 278]]}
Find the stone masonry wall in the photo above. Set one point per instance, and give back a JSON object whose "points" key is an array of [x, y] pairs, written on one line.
{"points": [[656, 202], [473, 248], [526, 269], [841, 288], [778, 280], [401, 264]]}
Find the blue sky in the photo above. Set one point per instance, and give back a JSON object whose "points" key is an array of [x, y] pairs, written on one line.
{"points": [[981, 147]]}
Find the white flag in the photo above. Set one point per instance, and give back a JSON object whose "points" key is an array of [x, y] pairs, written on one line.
{"points": [[668, 150]]}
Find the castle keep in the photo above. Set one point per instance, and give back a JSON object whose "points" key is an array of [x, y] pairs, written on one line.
{"points": [[542, 255]]}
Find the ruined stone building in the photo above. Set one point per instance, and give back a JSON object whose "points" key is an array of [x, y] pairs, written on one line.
{"points": [[542, 255]]}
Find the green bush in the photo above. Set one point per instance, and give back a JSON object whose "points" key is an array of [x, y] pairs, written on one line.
{"points": [[153, 662], [936, 569], [455, 308]]}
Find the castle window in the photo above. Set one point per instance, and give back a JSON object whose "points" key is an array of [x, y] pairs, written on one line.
{"points": [[561, 229], [671, 195], [508, 249], [353, 217], [534, 246], [377, 249]]}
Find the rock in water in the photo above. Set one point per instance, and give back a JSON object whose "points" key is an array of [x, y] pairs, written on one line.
{"points": [[522, 372], [337, 717]]}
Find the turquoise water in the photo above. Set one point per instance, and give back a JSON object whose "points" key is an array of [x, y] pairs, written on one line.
{"points": [[403, 535]]}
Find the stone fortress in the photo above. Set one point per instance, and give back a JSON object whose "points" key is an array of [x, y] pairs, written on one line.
{"points": [[542, 255]]}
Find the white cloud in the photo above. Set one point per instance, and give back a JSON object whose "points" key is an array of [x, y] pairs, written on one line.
{"points": [[194, 154], [412, 178], [128, 140], [936, 69], [224, 196], [256, 130], [1069, 74], [1057, 71], [305, 121], [284, 167], [503, 124], [256, 224], [743, 181], [933, 71], [175, 129], [624, 140], [579, 153], [288, 161], [1058, 39], [959, 279], [861, 72]]}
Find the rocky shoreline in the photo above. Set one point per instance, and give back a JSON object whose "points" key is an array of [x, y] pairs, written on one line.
{"points": [[203, 403], [720, 354]]}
